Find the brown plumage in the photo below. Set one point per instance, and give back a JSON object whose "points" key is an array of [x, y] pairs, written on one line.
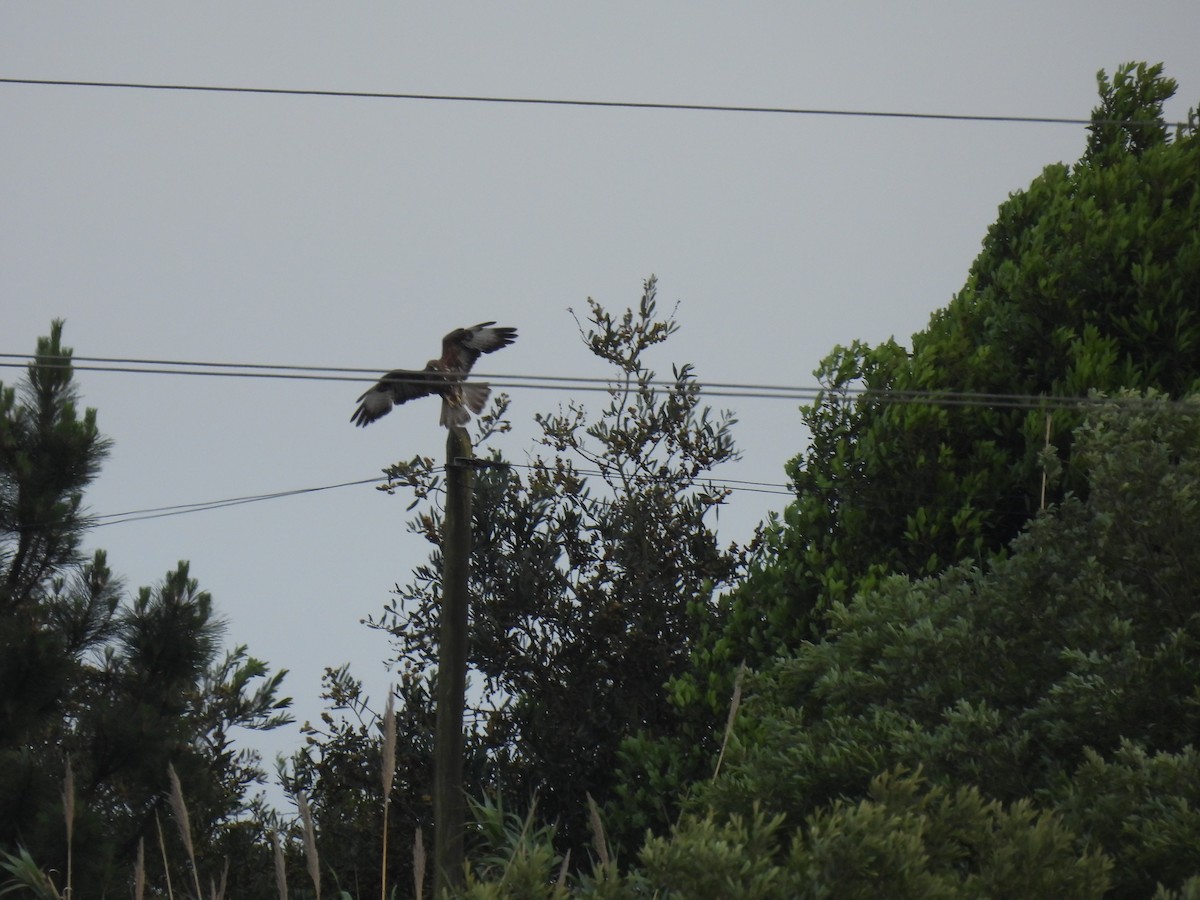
{"points": [[445, 377]]}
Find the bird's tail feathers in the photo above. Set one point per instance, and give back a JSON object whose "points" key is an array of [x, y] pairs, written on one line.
{"points": [[475, 395], [472, 399], [453, 415]]}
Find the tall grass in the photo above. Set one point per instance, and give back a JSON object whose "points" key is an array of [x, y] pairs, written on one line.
{"points": [[419, 864], [280, 866], [519, 850], [598, 839], [139, 872], [310, 842], [179, 808], [69, 815], [389, 777], [162, 846], [734, 702], [218, 891], [27, 876]]}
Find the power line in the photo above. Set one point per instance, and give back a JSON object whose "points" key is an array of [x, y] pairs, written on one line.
{"points": [[159, 512], [180, 509], [124, 360], [319, 373], [730, 484], [735, 390], [733, 485], [161, 366], [602, 104]]}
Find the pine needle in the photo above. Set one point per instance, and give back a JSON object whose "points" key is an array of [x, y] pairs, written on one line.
{"points": [[310, 842]]}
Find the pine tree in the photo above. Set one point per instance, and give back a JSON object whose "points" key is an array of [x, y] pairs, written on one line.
{"points": [[123, 690]]}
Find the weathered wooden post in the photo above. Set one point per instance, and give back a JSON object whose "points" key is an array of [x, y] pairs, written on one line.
{"points": [[449, 799]]}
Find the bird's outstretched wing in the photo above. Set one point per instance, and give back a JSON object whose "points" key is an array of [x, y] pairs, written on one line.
{"points": [[396, 387], [461, 347], [445, 376]]}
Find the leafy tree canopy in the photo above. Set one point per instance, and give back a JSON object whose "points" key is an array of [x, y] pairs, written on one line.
{"points": [[1088, 280], [594, 567], [1062, 674], [1024, 728]]}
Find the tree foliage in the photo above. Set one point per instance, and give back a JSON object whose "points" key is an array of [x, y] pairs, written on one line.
{"points": [[1087, 280], [1062, 674], [975, 627], [1024, 728], [113, 690], [340, 769], [971, 639], [593, 569]]}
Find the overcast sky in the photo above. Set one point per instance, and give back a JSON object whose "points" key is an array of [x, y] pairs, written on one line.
{"points": [[355, 232]]}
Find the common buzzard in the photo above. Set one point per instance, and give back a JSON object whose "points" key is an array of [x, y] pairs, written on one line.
{"points": [[445, 377]]}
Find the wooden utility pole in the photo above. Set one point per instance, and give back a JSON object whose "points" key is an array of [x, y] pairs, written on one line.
{"points": [[449, 799]]}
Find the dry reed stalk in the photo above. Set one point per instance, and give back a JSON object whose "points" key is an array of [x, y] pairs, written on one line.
{"points": [[69, 815], [280, 866], [560, 883], [597, 826], [389, 777], [1046, 446], [419, 864], [162, 845], [184, 823], [734, 702], [310, 842], [218, 892], [139, 871], [389, 744]]}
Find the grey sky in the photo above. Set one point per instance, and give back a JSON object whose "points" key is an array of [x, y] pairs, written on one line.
{"points": [[356, 232]]}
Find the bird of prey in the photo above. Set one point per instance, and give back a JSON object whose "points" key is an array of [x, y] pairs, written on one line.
{"points": [[445, 377]]}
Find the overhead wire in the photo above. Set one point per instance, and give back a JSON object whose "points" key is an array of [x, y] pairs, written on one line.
{"points": [[724, 389], [730, 484], [733, 485], [179, 509], [600, 383], [938, 397], [159, 512], [602, 104], [711, 389]]}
